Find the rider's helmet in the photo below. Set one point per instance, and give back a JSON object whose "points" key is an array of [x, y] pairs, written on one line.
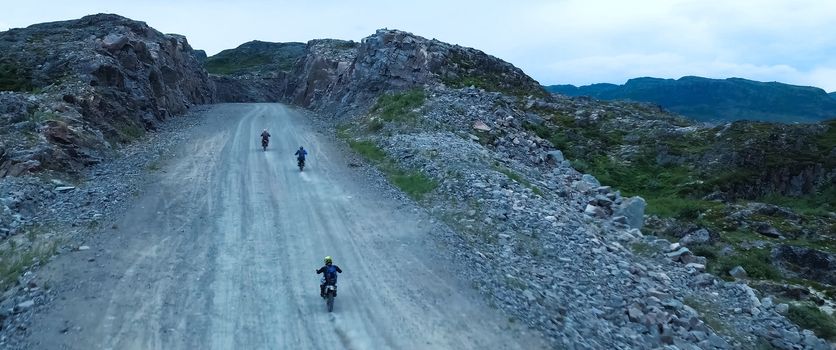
{"points": [[328, 260]]}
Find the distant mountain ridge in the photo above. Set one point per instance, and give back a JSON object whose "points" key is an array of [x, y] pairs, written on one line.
{"points": [[706, 99]]}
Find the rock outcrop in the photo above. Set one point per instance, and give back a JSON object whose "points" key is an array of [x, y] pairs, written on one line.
{"points": [[806, 263], [83, 85], [344, 78]]}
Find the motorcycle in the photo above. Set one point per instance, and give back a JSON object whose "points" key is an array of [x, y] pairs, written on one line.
{"points": [[330, 294], [264, 143], [300, 162]]}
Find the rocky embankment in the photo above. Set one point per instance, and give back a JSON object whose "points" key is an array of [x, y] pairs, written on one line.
{"points": [[555, 247], [344, 78], [75, 91]]}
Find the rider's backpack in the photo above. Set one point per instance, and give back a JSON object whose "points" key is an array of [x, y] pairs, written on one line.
{"points": [[331, 273]]}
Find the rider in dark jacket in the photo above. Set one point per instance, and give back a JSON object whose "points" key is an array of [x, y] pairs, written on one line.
{"points": [[300, 156], [329, 272], [265, 136]]}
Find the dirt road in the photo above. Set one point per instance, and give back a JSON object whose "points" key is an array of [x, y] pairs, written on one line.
{"points": [[220, 252]]}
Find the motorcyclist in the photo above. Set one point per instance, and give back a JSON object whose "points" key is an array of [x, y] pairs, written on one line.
{"points": [[329, 276], [300, 155], [265, 136]]}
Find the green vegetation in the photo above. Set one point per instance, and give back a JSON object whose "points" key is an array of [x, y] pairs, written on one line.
{"points": [[756, 262], [255, 57], [14, 260], [154, 165], [413, 183], [14, 76], [643, 249], [816, 204], [709, 314], [810, 317], [129, 131], [368, 150], [233, 65], [487, 77], [399, 107]]}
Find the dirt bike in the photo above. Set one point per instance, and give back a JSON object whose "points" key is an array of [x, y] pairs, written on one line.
{"points": [[330, 294], [300, 162], [264, 143]]}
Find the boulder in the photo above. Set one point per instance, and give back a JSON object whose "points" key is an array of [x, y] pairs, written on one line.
{"points": [[678, 254], [481, 126], [595, 211], [768, 230], [591, 180], [555, 157], [700, 236], [806, 263], [633, 209], [738, 272]]}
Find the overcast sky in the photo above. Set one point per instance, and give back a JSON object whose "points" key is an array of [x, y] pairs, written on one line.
{"points": [[556, 42]]}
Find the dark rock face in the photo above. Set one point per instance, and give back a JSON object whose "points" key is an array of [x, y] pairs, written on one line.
{"points": [[344, 77], [250, 87], [806, 263], [88, 83]]}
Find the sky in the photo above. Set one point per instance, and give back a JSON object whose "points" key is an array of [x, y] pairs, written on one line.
{"points": [[556, 42]]}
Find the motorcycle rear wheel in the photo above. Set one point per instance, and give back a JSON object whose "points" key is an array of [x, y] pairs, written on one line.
{"points": [[329, 302]]}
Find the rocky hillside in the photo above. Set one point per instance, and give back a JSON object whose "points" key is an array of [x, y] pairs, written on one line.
{"points": [[717, 100], [74, 90], [480, 145], [344, 77], [255, 71]]}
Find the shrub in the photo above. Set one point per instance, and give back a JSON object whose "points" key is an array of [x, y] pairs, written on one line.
{"points": [[368, 149], [756, 262], [399, 106], [810, 317], [413, 183]]}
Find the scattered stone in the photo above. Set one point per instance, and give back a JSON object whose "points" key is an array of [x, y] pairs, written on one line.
{"points": [[595, 211], [481, 126], [555, 157], [26, 305], [769, 231], [695, 266], [678, 254], [633, 209], [700, 236], [738, 272], [782, 308]]}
